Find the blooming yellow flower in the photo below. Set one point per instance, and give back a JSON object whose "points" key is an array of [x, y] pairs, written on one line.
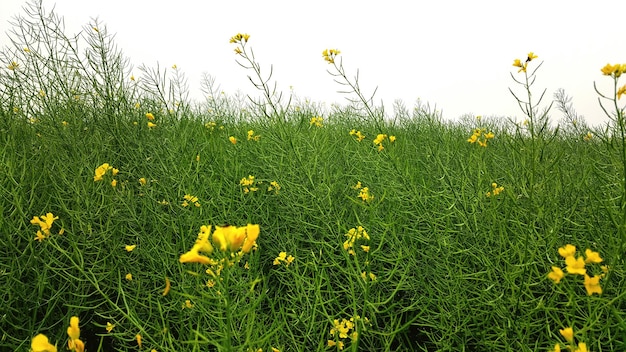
{"points": [[274, 186], [40, 343], [575, 265], [557, 348], [142, 181], [317, 121], [592, 257], [582, 347], [13, 66], [567, 251], [282, 257], [608, 69], [238, 38], [151, 125], [114, 183], [110, 327], [45, 222], [568, 334], [232, 139], [101, 171], [150, 116], [592, 285], [330, 54], [129, 276], [621, 91], [138, 337], [392, 139], [531, 56], [556, 274]]}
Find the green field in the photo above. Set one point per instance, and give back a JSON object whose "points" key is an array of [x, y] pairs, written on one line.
{"points": [[400, 232]]}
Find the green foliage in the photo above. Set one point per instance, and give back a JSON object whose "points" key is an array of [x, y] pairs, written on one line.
{"points": [[445, 267]]}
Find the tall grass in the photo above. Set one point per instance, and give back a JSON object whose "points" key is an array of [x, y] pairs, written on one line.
{"points": [[443, 267]]}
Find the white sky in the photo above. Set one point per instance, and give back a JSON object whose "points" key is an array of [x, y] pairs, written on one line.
{"points": [[457, 54]]}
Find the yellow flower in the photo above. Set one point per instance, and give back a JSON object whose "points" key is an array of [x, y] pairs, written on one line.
{"points": [[40, 343], [556, 274], [531, 56], [568, 334], [592, 285], [252, 233], [238, 51], [115, 171], [592, 257], [73, 331], [193, 256], [392, 139], [151, 125], [575, 265], [557, 348], [621, 91], [317, 121], [282, 257], [330, 54], [129, 276], [174, 66], [567, 251], [110, 326], [13, 65], [379, 139], [114, 183], [517, 63], [138, 337], [232, 139], [582, 347], [608, 70], [142, 181], [101, 171], [149, 116]]}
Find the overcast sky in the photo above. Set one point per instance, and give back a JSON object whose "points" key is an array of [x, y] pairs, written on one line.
{"points": [[457, 54]]}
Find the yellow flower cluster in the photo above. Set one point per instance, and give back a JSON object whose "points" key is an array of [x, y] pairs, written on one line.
{"points": [[568, 335], [380, 138], [478, 134], [359, 136], [40, 343], [274, 186], [73, 331], [613, 70], [239, 38], [283, 258], [253, 137], [240, 240], [45, 224], [316, 121], [330, 54], [495, 190], [355, 234], [343, 329], [210, 125], [13, 66], [102, 170], [576, 265], [248, 184], [364, 192], [189, 199], [523, 66]]}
